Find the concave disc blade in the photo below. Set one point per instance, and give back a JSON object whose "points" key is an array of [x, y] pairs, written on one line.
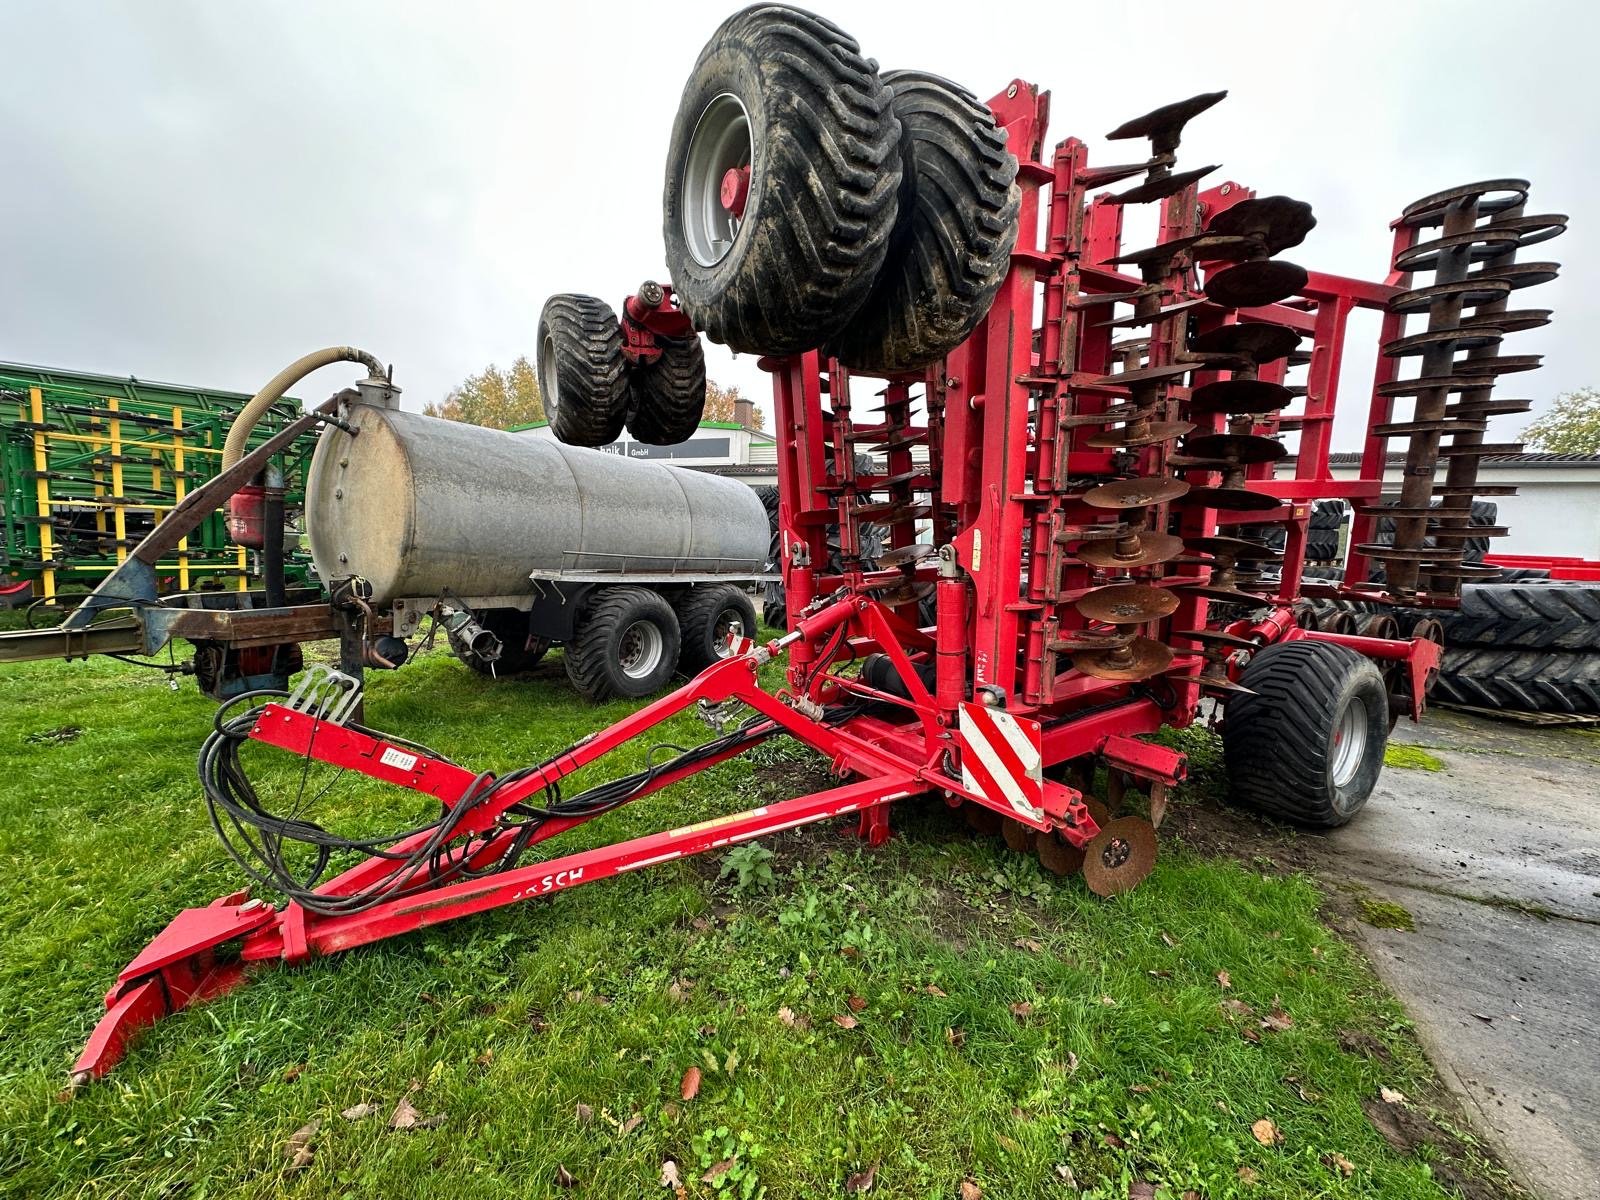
{"points": [[1255, 340], [1278, 222], [1253, 284], [1115, 554], [1120, 856], [1140, 659], [1056, 854], [1240, 396], [1135, 493], [1126, 604]]}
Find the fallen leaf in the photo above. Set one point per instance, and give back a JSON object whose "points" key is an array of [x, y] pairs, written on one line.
{"points": [[934, 989], [700, 924], [1064, 1173], [1301, 1090], [856, 1003], [427, 998], [405, 1115], [861, 1181], [1277, 1020], [718, 1171], [575, 995], [955, 1036], [970, 1190], [1113, 1141], [359, 1112], [690, 1087], [630, 1125], [1391, 1095], [1161, 974], [849, 951], [786, 1016], [1222, 1106], [1250, 1033], [845, 1021], [1072, 1062], [1340, 1164], [1028, 944], [1224, 980], [1266, 1132], [564, 1177], [675, 992], [484, 1059], [536, 1021], [1246, 1174], [1237, 1007], [669, 1174], [585, 1114], [298, 1148], [1022, 1010], [1171, 941], [1143, 1089], [293, 1073], [1140, 1190], [1108, 1001]]}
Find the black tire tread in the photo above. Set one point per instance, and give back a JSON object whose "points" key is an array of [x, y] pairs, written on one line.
{"points": [[698, 607], [830, 175], [1545, 616], [668, 397], [589, 366], [1273, 763], [1552, 681], [587, 656], [953, 236]]}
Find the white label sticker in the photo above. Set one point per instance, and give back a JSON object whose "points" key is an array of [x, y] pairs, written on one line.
{"points": [[398, 759]]}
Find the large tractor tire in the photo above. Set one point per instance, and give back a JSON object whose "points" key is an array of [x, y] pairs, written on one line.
{"points": [[625, 644], [668, 396], [708, 615], [520, 650], [1308, 746], [952, 239], [786, 121], [581, 370], [1543, 616], [1548, 681]]}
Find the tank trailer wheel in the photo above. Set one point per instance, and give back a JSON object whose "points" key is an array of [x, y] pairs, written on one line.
{"points": [[581, 370], [781, 182], [708, 616], [626, 644], [953, 235], [1308, 746], [519, 649], [668, 396]]}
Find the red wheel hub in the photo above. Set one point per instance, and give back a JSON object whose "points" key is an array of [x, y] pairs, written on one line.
{"points": [[735, 192]]}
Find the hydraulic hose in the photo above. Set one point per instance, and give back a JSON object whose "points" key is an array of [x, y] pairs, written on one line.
{"points": [[233, 449]]}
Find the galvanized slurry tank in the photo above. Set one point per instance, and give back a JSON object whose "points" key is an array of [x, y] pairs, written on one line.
{"points": [[422, 507]]}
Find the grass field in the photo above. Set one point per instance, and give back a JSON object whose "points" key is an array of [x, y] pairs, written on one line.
{"points": [[936, 1018]]}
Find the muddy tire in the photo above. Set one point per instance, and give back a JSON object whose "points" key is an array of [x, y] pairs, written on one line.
{"points": [[952, 239], [625, 644], [789, 96], [1308, 746], [707, 615], [668, 396], [519, 649], [581, 370], [1549, 681]]}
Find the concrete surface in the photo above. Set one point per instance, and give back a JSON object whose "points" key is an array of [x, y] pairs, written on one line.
{"points": [[1497, 858]]}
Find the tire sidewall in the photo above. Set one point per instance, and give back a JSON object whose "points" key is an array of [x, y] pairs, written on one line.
{"points": [[1366, 689], [621, 683]]}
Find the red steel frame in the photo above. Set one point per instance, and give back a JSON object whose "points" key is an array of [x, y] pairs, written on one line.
{"points": [[999, 485]]}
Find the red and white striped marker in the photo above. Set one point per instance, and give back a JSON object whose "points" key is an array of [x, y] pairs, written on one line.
{"points": [[1002, 758]]}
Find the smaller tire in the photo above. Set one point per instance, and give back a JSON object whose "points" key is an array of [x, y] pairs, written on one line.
{"points": [[668, 396], [625, 644], [582, 376], [520, 650], [708, 615], [1308, 745]]}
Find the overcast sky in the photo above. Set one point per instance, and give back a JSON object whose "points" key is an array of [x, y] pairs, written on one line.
{"points": [[201, 192]]}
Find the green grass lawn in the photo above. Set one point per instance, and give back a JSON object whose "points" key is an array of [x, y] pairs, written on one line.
{"points": [[937, 1012]]}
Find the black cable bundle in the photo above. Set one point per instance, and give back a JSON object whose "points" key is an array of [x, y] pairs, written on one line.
{"points": [[258, 837]]}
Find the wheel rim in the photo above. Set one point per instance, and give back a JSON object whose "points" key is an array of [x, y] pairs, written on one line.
{"points": [[721, 143], [549, 379], [729, 625], [639, 653], [1349, 741]]}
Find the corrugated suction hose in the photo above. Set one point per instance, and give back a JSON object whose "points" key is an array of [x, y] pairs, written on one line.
{"points": [[233, 449]]}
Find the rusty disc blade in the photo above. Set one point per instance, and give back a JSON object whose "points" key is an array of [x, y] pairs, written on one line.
{"points": [[1133, 435], [1226, 595], [1157, 253], [1090, 639], [1056, 854], [1135, 493], [1492, 196], [1216, 637], [1443, 425], [1221, 683], [1140, 659], [910, 591], [1253, 284], [1481, 243], [1244, 448], [1459, 337], [904, 556], [1481, 369], [1231, 499], [1514, 320], [1430, 383], [1520, 275], [1144, 375], [1114, 415], [1018, 837], [1255, 340], [1162, 186], [1167, 118], [1120, 856], [1136, 550], [1470, 292], [1240, 548], [1278, 222], [1138, 319], [1531, 230], [1126, 603], [1240, 396]]}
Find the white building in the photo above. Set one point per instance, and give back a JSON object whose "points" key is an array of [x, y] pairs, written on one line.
{"points": [[721, 446]]}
